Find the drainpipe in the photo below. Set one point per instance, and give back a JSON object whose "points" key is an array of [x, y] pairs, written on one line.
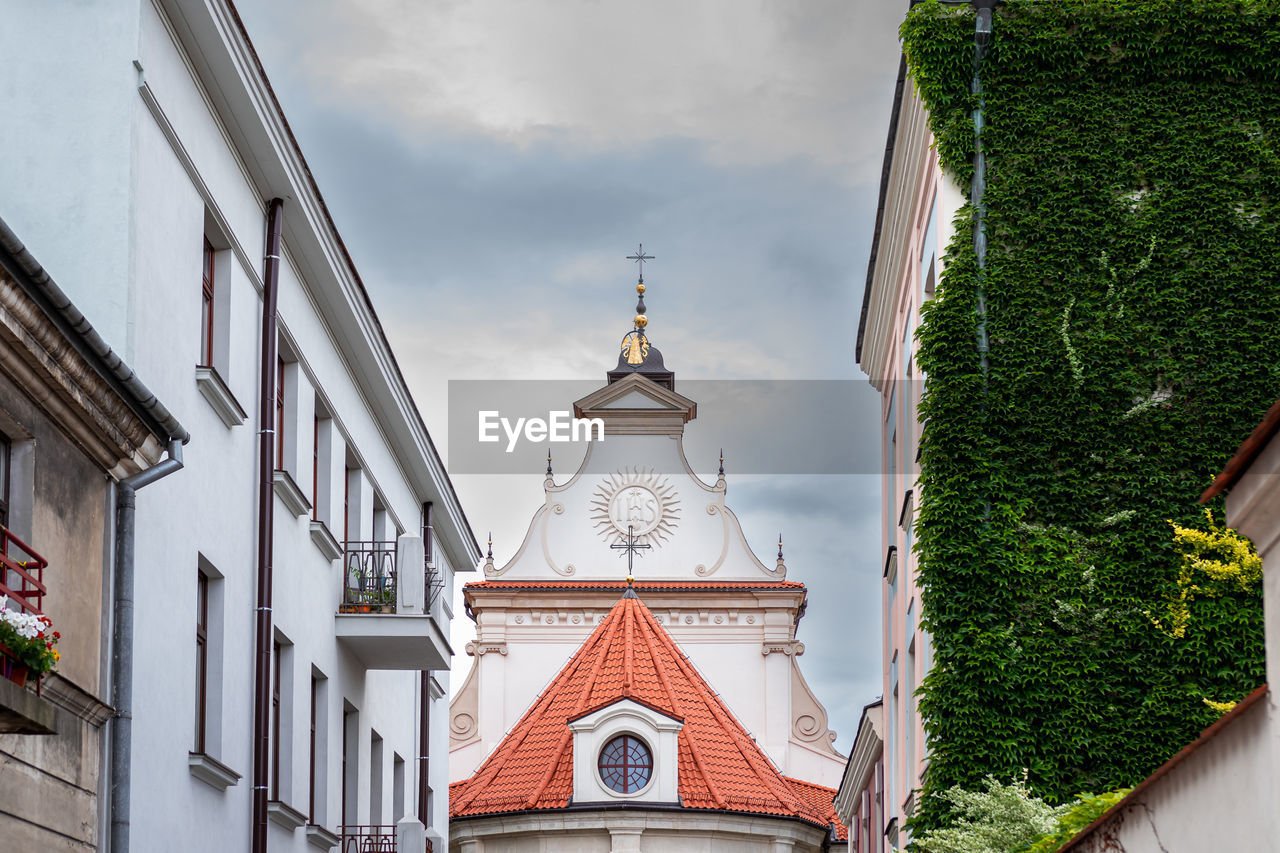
{"points": [[266, 523], [424, 721], [984, 10], [122, 642]]}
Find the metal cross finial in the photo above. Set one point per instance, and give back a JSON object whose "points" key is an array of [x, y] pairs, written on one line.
{"points": [[640, 257], [631, 547]]}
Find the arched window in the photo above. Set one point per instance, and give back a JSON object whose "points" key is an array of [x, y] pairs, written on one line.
{"points": [[625, 764]]}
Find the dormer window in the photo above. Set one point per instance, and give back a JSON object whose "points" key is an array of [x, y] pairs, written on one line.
{"points": [[626, 750], [625, 764]]}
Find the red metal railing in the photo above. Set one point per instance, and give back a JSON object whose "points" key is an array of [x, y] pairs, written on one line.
{"points": [[369, 585], [21, 573], [369, 839]]}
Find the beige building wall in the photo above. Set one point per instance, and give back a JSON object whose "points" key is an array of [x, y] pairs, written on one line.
{"points": [[60, 494]]}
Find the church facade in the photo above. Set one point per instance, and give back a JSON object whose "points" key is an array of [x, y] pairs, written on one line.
{"points": [[610, 712]]}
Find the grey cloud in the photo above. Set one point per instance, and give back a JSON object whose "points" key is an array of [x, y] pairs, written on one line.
{"points": [[488, 189]]}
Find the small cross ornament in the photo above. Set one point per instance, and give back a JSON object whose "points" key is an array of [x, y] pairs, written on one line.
{"points": [[630, 547], [640, 257]]}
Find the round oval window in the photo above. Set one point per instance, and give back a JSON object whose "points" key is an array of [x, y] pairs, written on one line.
{"points": [[625, 764]]}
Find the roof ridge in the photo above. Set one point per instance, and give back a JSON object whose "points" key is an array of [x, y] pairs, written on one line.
{"points": [[581, 703], [694, 753], [524, 724], [751, 754]]}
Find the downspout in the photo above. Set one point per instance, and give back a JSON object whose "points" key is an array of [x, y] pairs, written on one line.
{"points": [[266, 523], [424, 720], [984, 10], [122, 641]]}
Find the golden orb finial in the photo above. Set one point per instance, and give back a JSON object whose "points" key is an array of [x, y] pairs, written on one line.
{"points": [[641, 321], [640, 287]]}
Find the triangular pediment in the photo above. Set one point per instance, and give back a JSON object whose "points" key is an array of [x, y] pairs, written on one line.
{"points": [[634, 393], [623, 703]]}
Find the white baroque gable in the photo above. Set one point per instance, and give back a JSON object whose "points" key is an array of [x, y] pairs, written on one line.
{"points": [[643, 482]]}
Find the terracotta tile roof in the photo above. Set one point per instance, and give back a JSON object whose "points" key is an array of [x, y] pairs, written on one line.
{"points": [[821, 798], [630, 656], [641, 586]]}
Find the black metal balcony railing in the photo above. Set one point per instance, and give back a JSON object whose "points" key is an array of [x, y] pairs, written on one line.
{"points": [[434, 584], [21, 573], [368, 839], [369, 572]]}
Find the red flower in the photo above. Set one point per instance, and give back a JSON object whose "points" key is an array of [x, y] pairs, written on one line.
{"points": [[57, 636]]}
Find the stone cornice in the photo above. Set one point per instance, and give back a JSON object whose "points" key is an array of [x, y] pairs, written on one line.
{"points": [[732, 827], [75, 396], [866, 751]]}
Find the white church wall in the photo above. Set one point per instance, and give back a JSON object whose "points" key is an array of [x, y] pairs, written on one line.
{"points": [[716, 636]]}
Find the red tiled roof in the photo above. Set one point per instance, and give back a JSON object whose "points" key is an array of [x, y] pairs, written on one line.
{"points": [[630, 656], [821, 798], [641, 586]]}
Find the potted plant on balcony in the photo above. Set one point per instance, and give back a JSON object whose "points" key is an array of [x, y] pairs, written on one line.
{"points": [[26, 644]]}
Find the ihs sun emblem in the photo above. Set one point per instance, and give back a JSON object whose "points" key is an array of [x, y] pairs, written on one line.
{"points": [[638, 499]]}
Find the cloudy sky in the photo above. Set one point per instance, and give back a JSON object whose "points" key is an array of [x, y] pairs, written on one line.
{"points": [[490, 163]]}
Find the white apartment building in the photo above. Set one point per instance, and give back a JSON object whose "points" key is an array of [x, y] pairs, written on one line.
{"points": [[149, 167]]}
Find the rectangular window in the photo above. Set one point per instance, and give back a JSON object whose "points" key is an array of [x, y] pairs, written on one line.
{"points": [[202, 660], [206, 306], [280, 414], [276, 659], [207, 718], [346, 506], [315, 469], [929, 249], [891, 460], [908, 399], [892, 727], [909, 674], [311, 758], [319, 758], [350, 765], [397, 788], [375, 779]]}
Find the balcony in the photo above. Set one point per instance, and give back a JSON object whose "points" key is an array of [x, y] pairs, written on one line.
{"points": [[385, 616], [377, 839], [23, 578], [22, 583]]}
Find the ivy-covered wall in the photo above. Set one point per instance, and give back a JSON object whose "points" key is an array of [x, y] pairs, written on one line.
{"points": [[1133, 292]]}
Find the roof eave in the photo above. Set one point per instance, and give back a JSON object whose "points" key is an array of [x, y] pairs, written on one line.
{"points": [[887, 166]]}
